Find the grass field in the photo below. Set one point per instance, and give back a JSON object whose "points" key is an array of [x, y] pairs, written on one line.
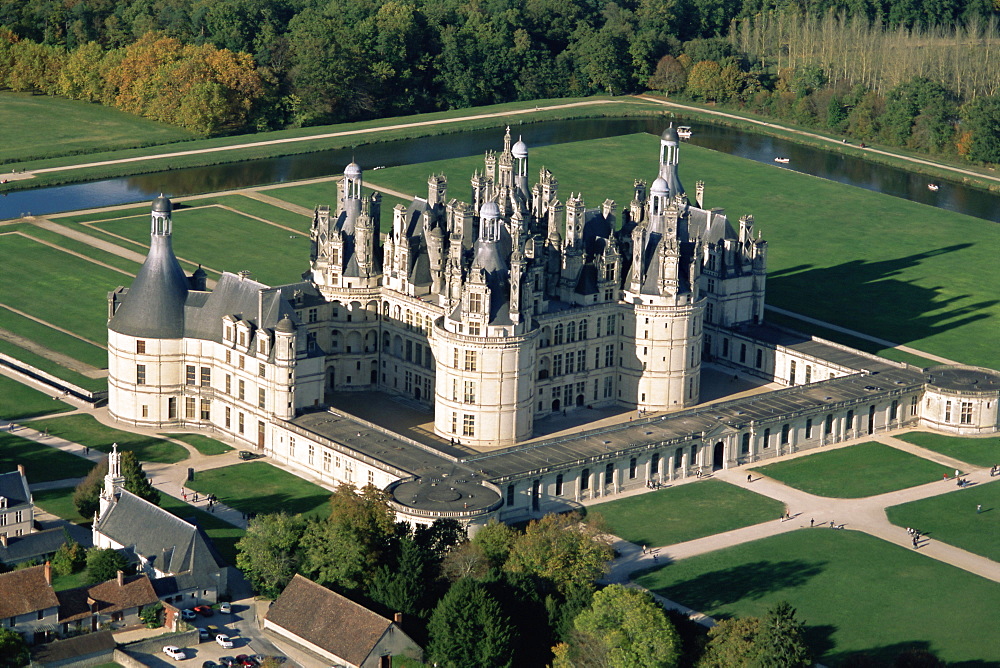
{"points": [[37, 332], [952, 518], [18, 401], [51, 367], [226, 241], [203, 444], [59, 502], [856, 471], [85, 430], [982, 452], [41, 463], [258, 487], [686, 512], [38, 126], [855, 593]]}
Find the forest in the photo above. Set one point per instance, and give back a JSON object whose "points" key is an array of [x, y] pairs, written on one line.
{"points": [[913, 73]]}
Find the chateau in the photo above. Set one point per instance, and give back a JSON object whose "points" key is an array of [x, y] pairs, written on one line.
{"points": [[494, 314]]}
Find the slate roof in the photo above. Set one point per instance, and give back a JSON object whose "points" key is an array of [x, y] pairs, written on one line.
{"points": [[171, 544], [14, 487], [154, 306], [108, 597], [41, 543], [25, 591], [328, 620]]}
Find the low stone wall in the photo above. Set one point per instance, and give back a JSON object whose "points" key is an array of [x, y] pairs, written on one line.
{"points": [[126, 655], [47, 378]]}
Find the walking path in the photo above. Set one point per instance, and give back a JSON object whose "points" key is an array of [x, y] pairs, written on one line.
{"points": [[812, 135]]}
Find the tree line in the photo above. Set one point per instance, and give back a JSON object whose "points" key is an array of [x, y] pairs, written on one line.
{"points": [[239, 65]]}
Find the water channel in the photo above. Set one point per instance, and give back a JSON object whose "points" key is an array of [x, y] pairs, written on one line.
{"points": [[846, 169]]}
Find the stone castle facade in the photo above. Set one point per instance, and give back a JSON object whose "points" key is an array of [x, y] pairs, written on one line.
{"points": [[494, 313]]}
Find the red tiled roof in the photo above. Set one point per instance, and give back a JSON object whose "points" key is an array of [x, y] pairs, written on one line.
{"points": [[108, 597], [25, 591]]}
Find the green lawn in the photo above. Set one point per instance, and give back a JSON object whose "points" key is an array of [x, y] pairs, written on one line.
{"points": [[226, 241], [686, 512], [49, 275], [85, 430], [982, 452], [38, 126], [53, 339], [98, 254], [952, 518], [253, 207], [51, 367], [59, 502], [203, 444], [41, 463], [855, 593], [258, 487], [855, 471], [18, 401], [71, 581]]}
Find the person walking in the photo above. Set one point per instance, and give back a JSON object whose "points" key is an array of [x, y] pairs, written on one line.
{"points": [[979, 508], [749, 477], [811, 522]]}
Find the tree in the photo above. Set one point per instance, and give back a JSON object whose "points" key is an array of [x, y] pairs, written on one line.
{"points": [[402, 588], [780, 642], [466, 560], [705, 81], [468, 628], [152, 615], [561, 549], [981, 119], [268, 552], [496, 540], [13, 650], [69, 558], [669, 76], [730, 643], [136, 480], [632, 628], [86, 496], [104, 563]]}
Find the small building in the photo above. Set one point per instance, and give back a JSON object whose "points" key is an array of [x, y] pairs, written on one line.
{"points": [[336, 628], [90, 649], [112, 604], [17, 510], [175, 554], [28, 604], [40, 546]]}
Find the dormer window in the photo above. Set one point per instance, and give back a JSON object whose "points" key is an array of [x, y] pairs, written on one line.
{"points": [[243, 338], [475, 303], [229, 333]]}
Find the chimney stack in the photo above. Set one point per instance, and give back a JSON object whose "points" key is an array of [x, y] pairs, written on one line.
{"points": [[48, 571], [3, 539], [121, 578], [20, 469], [398, 618]]}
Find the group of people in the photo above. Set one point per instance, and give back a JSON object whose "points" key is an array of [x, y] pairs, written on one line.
{"points": [[995, 470], [653, 484], [915, 535]]}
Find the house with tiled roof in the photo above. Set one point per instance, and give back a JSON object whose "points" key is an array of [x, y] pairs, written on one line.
{"points": [[115, 603], [179, 559], [336, 628], [16, 505], [28, 604]]}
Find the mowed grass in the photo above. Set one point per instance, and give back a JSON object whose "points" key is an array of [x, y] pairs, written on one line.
{"points": [[59, 502], [952, 518], [18, 401], [686, 512], [51, 367], [855, 471], [203, 444], [253, 207], [258, 487], [981, 452], [55, 340], [38, 126], [41, 463], [855, 594], [87, 431], [225, 240], [57, 287]]}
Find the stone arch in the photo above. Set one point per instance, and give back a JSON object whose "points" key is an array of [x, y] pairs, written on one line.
{"points": [[371, 341], [356, 313], [397, 346], [719, 456], [544, 367], [354, 342]]}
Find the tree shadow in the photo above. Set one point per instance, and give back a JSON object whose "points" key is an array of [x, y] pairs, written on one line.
{"points": [[892, 308], [747, 581]]}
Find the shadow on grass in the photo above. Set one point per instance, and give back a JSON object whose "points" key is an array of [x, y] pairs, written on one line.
{"points": [[748, 581], [910, 313], [313, 504]]}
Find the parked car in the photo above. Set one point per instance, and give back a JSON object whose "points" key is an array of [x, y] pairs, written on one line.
{"points": [[246, 454], [244, 660], [203, 634], [204, 610], [210, 664], [227, 661], [225, 608], [188, 615], [224, 641], [175, 653]]}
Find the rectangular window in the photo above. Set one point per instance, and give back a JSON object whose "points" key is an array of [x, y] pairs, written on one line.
{"points": [[206, 376], [791, 372], [189, 406], [312, 454], [455, 358], [313, 315], [809, 428], [557, 367], [171, 408], [584, 480], [468, 425], [474, 329], [454, 423], [241, 392], [206, 409], [229, 418], [785, 430], [261, 398], [475, 303], [570, 363], [470, 392], [608, 386], [140, 347], [470, 360], [261, 370], [190, 374], [140, 374], [241, 423], [229, 384], [947, 411], [581, 360], [966, 417], [242, 361], [914, 402], [510, 495], [760, 358], [609, 355], [597, 327], [559, 484], [291, 445], [229, 357], [809, 373], [327, 460]]}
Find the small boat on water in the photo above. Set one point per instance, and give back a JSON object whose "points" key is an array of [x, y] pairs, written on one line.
{"points": [[783, 161], [684, 131], [933, 187]]}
